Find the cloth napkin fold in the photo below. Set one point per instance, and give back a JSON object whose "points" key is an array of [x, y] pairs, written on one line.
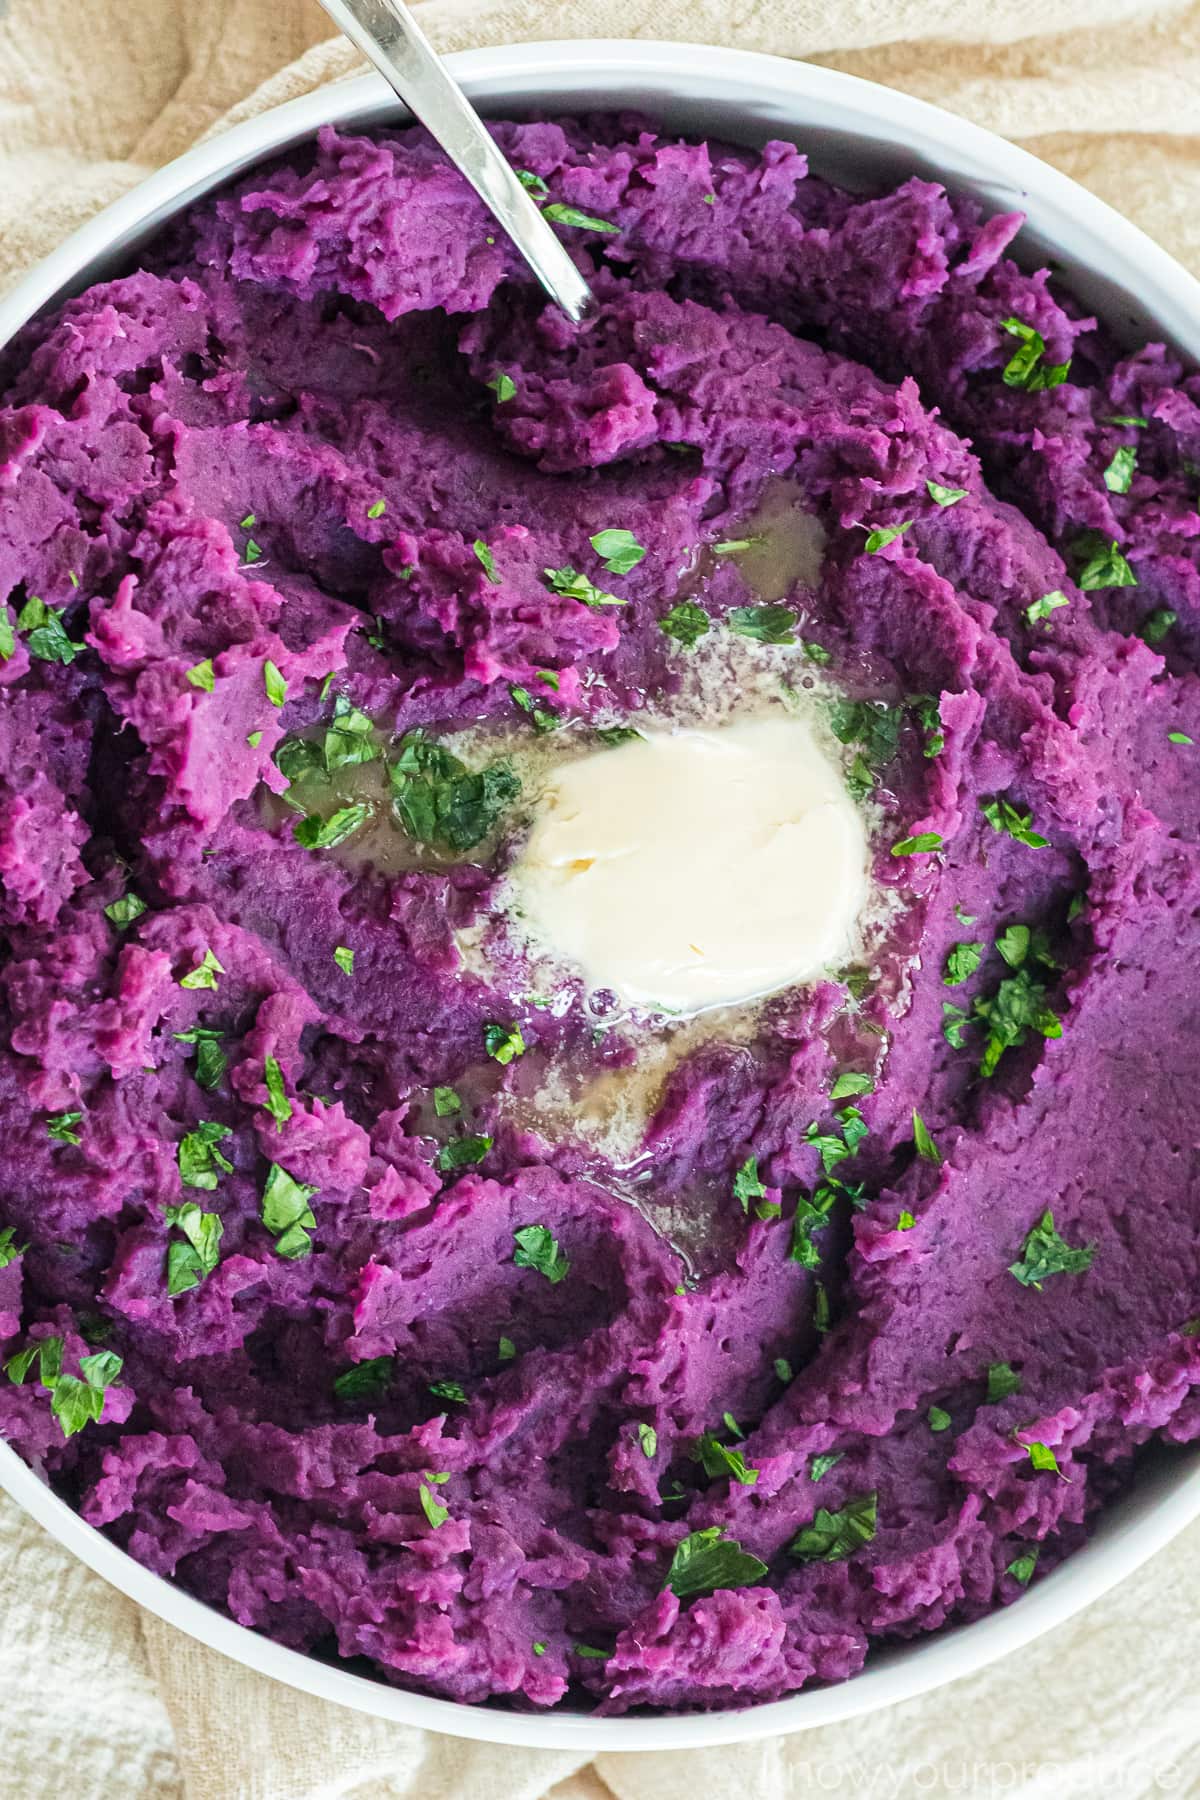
{"points": [[103, 1702]]}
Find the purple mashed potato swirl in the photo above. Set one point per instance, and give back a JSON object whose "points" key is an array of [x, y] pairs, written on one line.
{"points": [[377, 1417]]}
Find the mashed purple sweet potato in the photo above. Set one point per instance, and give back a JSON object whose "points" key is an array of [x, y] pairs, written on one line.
{"points": [[303, 1303]]}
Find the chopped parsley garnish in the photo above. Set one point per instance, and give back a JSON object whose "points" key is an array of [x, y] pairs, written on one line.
{"points": [[344, 959], [75, 1400], [538, 1248], [919, 845], [558, 214], [1042, 608], [439, 801], [1156, 625], [817, 653], [1018, 1006], [201, 1164], [278, 1104], [1002, 816], [1042, 1457], [449, 1390], [431, 1506], [188, 1262], [1118, 477], [533, 183], [446, 1101], [124, 911], [822, 1464], [719, 1459], [365, 1380], [954, 1024], [927, 1150], [832, 1536], [461, 1152], [316, 833], [1137, 421], [253, 551], [503, 386], [9, 1248], [287, 1214], [590, 1651], [538, 1649], [487, 561], [575, 586], [849, 1083], [544, 718], [377, 509], [618, 550], [1013, 944], [961, 963], [783, 1370], [871, 723], [928, 710], [746, 1184], [1021, 1568], [1045, 1253], [939, 1418], [273, 682], [766, 624], [1002, 1380], [811, 1215], [503, 1042], [883, 535], [506, 1350], [61, 1127], [612, 735], [8, 641], [45, 634], [1107, 567], [706, 1561], [647, 1438], [204, 974], [686, 623], [1179, 737], [211, 1060], [944, 496], [1025, 368], [349, 738], [201, 675]]}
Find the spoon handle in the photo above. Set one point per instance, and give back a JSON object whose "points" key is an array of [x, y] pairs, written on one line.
{"points": [[386, 32]]}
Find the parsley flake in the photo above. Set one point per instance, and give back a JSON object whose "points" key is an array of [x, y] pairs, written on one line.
{"points": [[503, 386], [377, 509], [939, 1419], [961, 963], [575, 586], [273, 682], [277, 1104], [46, 636], [1002, 816], [446, 1101], [1156, 625], [61, 1127], [431, 1506], [706, 1561], [746, 1184], [822, 1464], [316, 833], [883, 535], [766, 624], [1021, 1568], [1025, 368], [945, 496], [286, 1213], [647, 1438], [833, 1536], [1002, 1380], [365, 1380], [537, 1248], [558, 214], [201, 675], [204, 975], [919, 845], [850, 1083], [927, 1150], [686, 622], [1045, 1253], [1041, 609], [439, 801], [461, 1152], [487, 561], [1118, 477], [1106, 568], [344, 959], [200, 1162], [189, 1261], [503, 1042], [618, 550]]}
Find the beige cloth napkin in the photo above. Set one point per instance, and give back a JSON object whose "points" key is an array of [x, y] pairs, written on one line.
{"points": [[102, 1702]]}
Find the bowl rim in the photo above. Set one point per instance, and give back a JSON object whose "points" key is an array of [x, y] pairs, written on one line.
{"points": [[1167, 1497]]}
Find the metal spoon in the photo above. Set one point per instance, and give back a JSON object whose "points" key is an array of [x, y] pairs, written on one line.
{"points": [[386, 32]]}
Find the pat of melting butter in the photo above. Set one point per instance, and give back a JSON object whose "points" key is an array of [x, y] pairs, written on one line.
{"points": [[695, 868]]}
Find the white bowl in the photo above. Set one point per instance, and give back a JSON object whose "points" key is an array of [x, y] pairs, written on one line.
{"points": [[862, 135]]}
